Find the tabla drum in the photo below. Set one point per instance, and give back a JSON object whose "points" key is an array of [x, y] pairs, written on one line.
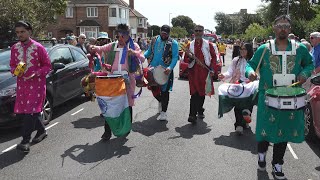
{"points": [[286, 98], [156, 76]]}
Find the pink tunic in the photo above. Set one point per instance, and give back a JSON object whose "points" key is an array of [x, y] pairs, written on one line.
{"points": [[124, 67], [30, 92]]}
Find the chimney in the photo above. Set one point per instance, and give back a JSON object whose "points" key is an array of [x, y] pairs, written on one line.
{"points": [[131, 4]]}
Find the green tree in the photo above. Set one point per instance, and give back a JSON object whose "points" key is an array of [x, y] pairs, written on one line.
{"points": [[153, 30], [178, 32], [258, 31], [40, 13], [225, 25], [184, 22]]}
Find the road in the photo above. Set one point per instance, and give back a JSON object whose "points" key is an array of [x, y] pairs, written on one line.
{"points": [[173, 149]]}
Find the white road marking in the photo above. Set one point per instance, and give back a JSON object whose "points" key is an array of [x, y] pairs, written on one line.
{"points": [[52, 125], [9, 148], [292, 152], [77, 112], [13, 146]]}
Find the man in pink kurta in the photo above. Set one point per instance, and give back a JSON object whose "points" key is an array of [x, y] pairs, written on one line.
{"points": [[204, 52], [31, 85], [120, 63]]}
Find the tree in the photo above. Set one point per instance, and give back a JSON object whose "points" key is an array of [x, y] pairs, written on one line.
{"points": [[184, 22], [258, 31], [178, 32], [39, 13], [153, 30], [225, 25]]}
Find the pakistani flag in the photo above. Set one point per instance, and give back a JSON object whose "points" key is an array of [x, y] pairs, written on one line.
{"points": [[240, 95], [113, 102]]}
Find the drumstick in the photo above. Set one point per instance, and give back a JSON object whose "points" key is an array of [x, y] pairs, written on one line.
{"points": [[296, 83]]}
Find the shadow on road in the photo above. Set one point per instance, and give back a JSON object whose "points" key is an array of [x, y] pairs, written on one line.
{"points": [[245, 142], [10, 157], [150, 127], [67, 106], [89, 123], [189, 130], [314, 145], [98, 152], [262, 175], [9, 134]]}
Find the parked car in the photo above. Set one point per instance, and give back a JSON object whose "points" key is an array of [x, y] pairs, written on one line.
{"points": [[183, 65], [69, 65], [312, 114]]}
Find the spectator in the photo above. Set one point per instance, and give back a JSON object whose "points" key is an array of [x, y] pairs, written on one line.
{"points": [[315, 42], [80, 44]]}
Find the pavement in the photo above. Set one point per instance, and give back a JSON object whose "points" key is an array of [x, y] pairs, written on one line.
{"points": [[173, 149]]}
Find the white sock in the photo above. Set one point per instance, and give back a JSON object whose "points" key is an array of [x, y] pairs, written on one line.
{"points": [[262, 156]]}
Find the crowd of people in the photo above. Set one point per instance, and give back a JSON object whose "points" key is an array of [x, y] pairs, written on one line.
{"points": [[121, 58]]}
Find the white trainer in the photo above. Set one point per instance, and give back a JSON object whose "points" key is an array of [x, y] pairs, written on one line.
{"points": [[162, 116], [159, 107], [239, 130]]}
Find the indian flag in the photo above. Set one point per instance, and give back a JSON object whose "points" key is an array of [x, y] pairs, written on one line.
{"points": [[113, 102], [240, 95]]}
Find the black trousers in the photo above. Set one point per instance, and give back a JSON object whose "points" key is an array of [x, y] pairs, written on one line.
{"points": [[222, 59], [279, 150], [163, 98], [239, 117], [31, 122], [196, 104]]}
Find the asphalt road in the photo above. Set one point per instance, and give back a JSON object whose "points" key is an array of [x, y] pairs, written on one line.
{"points": [[173, 149]]}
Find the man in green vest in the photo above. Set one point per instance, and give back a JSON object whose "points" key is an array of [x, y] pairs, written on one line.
{"points": [[277, 57]]}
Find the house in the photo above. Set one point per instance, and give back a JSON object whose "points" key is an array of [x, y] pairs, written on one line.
{"points": [[90, 17], [138, 23]]}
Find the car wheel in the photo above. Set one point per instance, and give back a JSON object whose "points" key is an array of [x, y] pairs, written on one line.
{"points": [[46, 114], [309, 128]]}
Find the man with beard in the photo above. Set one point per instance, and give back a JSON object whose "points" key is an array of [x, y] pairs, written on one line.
{"points": [[31, 83], [275, 125], [163, 51], [202, 50]]}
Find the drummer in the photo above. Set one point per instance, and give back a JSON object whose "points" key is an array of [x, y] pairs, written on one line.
{"points": [[267, 128], [163, 51], [118, 57], [205, 53], [237, 74]]}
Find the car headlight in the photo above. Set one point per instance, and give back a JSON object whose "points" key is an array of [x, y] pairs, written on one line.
{"points": [[8, 92]]}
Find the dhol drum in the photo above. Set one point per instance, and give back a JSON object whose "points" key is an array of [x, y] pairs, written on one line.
{"points": [[286, 98], [101, 83], [156, 76]]}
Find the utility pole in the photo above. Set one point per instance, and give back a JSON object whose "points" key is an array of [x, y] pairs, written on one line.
{"points": [[169, 19]]}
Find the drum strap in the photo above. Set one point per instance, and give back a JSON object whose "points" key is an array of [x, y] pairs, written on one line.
{"points": [[264, 52], [111, 55]]}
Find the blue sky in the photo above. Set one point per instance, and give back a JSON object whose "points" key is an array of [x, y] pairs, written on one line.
{"points": [[200, 11]]}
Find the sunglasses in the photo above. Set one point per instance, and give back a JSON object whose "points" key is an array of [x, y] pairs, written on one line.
{"points": [[198, 30], [312, 37], [283, 26]]}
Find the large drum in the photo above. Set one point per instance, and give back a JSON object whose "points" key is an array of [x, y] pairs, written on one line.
{"points": [[286, 98], [156, 76], [113, 102]]}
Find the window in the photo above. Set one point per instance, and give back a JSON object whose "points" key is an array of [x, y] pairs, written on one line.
{"points": [[69, 12], [122, 13], [92, 12], [77, 55], [89, 31], [112, 12], [140, 21], [61, 55]]}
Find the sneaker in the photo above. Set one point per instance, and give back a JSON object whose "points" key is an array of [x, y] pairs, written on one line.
{"points": [[24, 147], [162, 116], [239, 130], [39, 137], [277, 171], [192, 119], [262, 161], [159, 107]]}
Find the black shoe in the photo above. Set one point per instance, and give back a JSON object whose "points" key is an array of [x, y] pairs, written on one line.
{"points": [[201, 116], [24, 147], [192, 119], [101, 115], [262, 162], [39, 137], [106, 136], [277, 171]]}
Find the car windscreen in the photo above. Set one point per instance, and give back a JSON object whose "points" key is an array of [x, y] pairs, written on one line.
{"points": [[5, 60]]}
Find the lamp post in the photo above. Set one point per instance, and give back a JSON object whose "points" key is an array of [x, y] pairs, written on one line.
{"points": [[169, 19], [288, 8]]}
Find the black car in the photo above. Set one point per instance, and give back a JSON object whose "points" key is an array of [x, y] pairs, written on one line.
{"points": [[69, 65]]}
